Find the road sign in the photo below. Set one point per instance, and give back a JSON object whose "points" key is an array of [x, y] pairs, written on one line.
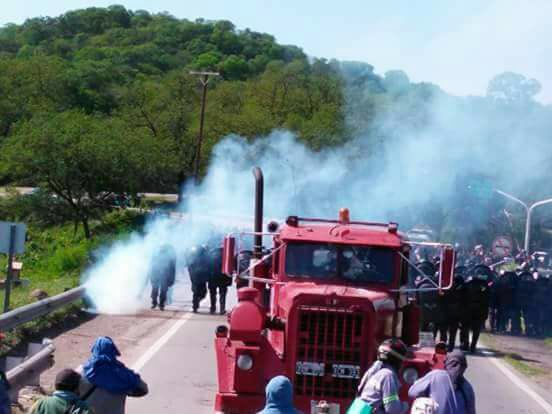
{"points": [[502, 246], [19, 242]]}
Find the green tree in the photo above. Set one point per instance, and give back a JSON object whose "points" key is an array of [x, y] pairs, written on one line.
{"points": [[84, 159], [510, 87]]}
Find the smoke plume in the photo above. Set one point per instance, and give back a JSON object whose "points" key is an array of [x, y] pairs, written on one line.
{"points": [[409, 163]]}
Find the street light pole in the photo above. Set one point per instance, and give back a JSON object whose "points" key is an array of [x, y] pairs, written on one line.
{"points": [[528, 222], [204, 79], [528, 211]]}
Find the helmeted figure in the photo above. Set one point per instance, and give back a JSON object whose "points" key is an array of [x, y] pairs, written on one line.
{"points": [[504, 296], [543, 293], [200, 271], [243, 260], [525, 299], [454, 309], [477, 299], [162, 275], [217, 281], [432, 313]]}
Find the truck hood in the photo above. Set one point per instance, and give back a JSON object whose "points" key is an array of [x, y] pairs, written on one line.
{"points": [[333, 295]]}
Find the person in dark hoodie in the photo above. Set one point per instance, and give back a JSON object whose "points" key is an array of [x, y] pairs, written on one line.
{"points": [[448, 388], [108, 381], [279, 397], [65, 399]]}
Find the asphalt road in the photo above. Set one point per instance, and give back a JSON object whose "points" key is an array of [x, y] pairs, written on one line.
{"points": [[181, 371]]}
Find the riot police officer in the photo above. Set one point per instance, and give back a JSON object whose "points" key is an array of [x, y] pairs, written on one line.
{"points": [[543, 290], [477, 299], [198, 268], [162, 275], [505, 286], [525, 300], [217, 281]]}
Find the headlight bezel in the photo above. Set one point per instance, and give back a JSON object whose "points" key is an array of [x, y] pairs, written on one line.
{"points": [[245, 362], [410, 375]]}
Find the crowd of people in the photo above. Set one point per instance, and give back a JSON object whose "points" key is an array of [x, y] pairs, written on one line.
{"points": [[509, 294], [440, 391], [100, 385], [204, 267]]}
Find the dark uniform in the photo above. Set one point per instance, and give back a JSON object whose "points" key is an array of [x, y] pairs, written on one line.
{"points": [[525, 300], [543, 292], [218, 281], [199, 270], [454, 306], [162, 276], [477, 299], [504, 296]]}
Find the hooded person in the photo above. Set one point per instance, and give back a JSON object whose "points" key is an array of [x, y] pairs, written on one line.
{"points": [[448, 388], [108, 381], [279, 397], [65, 399]]}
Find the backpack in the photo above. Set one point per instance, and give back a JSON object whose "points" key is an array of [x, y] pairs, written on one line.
{"points": [[424, 405]]}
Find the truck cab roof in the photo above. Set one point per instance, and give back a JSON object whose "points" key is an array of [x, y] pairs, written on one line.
{"points": [[356, 233]]}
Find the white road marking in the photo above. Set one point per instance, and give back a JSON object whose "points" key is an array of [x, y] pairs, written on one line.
{"points": [[522, 385], [144, 359]]}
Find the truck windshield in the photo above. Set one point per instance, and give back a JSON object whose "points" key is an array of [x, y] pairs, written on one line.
{"points": [[359, 264]]}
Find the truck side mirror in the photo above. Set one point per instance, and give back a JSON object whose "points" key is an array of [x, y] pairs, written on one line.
{"points": [[446, 269], [229, 255]]}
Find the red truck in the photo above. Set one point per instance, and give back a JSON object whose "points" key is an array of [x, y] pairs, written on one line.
{"points": [[315, 309]]}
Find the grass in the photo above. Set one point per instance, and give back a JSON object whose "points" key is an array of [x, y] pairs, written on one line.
{"points": [[53, 262], [55, 256], [548, 342], [523, 367]]}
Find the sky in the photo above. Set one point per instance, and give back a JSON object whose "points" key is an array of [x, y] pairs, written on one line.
{"points": [[459, 45]]}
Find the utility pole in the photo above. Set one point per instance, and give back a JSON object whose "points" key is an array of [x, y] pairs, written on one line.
{"points": [[204, 79], [528, 213]]}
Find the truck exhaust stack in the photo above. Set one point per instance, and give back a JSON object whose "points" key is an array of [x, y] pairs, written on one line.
{"points": [[259, 187]]}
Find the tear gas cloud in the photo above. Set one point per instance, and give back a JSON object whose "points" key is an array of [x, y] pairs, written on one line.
{"points": [[392, 171]]}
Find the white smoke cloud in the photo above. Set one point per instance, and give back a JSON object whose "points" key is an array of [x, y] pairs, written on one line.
{"points": [[411, 169]]}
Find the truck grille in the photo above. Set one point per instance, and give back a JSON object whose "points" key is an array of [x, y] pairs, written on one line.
{"points": [[329, 352]]}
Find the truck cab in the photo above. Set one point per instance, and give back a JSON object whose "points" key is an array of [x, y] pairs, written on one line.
{"points": [[315, 309]]}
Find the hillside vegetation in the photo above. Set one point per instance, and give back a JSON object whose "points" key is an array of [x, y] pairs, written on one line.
{"points": [[101, 101]]}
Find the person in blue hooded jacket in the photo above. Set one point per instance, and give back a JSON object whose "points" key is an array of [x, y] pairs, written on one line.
{"points": [[107, 381], [279, 397]]}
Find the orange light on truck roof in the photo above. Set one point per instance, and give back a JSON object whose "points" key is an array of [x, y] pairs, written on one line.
{"points": [[344, 216]]}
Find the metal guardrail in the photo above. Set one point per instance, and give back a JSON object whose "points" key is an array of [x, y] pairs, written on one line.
{"points": [[27, 313], [28, 372]]}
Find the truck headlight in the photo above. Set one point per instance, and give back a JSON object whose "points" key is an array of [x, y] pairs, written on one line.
{"points": [[245, 362], [410, 375]]}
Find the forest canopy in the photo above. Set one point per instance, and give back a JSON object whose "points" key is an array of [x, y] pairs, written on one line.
{"points": [[79, 88]]}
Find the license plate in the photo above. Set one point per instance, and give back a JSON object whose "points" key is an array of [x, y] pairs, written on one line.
{"points": [[346, 371], [313, 369], [334, 408]]}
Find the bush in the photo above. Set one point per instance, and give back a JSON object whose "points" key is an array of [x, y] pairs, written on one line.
{"points": [[39, 207], [69, 259]]}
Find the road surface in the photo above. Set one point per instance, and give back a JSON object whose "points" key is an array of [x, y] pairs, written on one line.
{"points": [[180, 370]]}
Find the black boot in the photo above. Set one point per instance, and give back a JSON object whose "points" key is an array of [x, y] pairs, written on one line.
{"points": [[213, 299], [222, 300]]}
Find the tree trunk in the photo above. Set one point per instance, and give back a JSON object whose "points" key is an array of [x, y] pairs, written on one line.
{"points": [[86, 227]]}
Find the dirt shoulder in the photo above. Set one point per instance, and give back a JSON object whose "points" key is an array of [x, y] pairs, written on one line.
{"points": [[530, 357], [133, 335]]}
